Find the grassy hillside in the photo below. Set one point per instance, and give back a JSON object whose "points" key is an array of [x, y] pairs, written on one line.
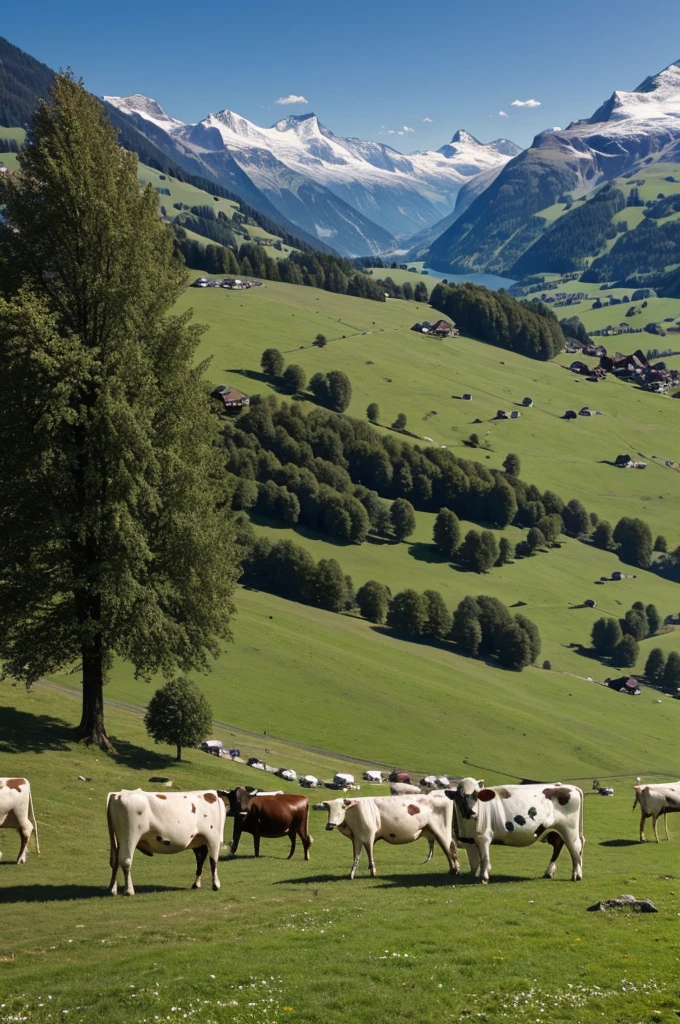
{"points": [[406, 372], [262, 948]]}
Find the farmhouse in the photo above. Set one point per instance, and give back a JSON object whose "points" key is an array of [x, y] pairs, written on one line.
{"points": [[231, 398], [569, 415], [515, 414], [439, 329], [626, 684]]}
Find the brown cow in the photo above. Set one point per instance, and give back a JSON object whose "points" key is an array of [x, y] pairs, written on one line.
{"points": [[268, 817]]}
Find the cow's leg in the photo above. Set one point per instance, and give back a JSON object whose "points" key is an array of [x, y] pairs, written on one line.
{"points": [[473, 857], [201, 852], [430, 853], [448, 845], [575, 846], [25, 831], [655, 818], [256, 841], [643, 818], [665, 824], [368, 846], [483, 844], [125, 855], [235, 838], [557, 843], [113, 862], [292, 835], [305, 838], [357, 847]]}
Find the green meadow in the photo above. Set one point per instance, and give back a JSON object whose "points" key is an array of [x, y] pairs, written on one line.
{"points": [[298, 941]]}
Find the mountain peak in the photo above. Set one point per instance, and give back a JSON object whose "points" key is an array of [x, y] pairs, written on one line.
{"points": [[657, 97], [145, 107], [304, 125], [461, 136]]}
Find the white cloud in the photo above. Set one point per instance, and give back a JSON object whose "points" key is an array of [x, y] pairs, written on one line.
{"points": [[525, 103], [390, 131], [407, 129], [501, 113], [428, 119], [400, 133], [286, 101]]}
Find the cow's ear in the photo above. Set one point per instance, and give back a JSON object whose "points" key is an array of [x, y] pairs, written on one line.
{"points": [[349, 803], [486, 794], [480, 783]]}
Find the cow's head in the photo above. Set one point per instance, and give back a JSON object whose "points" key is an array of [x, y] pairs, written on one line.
{"points": [[336, 811], [467, 795], [238, 801]]}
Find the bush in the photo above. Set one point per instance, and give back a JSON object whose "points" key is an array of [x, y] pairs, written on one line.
{"points": [[179, 714], [653, 620], [635, 541], [400, 422], [512, 465], [547, 665], [505, 552], [373, 413], [603, 536], [661, 544], [294, 378], [373, 601]]}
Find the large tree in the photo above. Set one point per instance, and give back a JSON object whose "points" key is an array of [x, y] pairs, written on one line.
{"points": [[114, 544]]}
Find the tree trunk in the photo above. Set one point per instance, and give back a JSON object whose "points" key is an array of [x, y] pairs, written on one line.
{"points": [[179, 753], [91, 728]]}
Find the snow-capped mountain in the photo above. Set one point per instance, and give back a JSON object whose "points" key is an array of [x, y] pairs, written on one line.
{"points": [[316, 178], [629, 128]]}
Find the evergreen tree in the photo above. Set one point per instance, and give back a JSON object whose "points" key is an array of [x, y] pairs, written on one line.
{"points": [[272, 362], [635, 541], [626, 652], [655, 665], [113, 543], [373, 412], [420, 293], [605, 635], [179, 714], [531, 630], [635, 624], [653, 620], [501, 504], [402, 518], [603, 536], [514, 648], [661, 544], [446, 534], [373, 601], [294, 378], [408, 613], [576, 519], [671, 674], [438, 624], [512, 465]]}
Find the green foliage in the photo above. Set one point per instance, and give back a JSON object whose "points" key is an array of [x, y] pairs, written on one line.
{"points": [[635, 624], [671, 673], [531, 630], [575, 518], [329, 587], [626, 652], [641, 255], [400, 422], [505, 551], [179, 714], [661, 544], [109, 474], [606, 635], [512, 465], [438, 623], [294, 378], [420, 292], [573, 327], [603, 535], [332, 389], [373, 601], [497, 318], [373, 413], [272, 362], [408, 613], [535, 539], [478, 552], [514, 650], [653, 620], [655, 665], [402, 518], [502, 504], [446, 533], [321, 341], [634, 539]]}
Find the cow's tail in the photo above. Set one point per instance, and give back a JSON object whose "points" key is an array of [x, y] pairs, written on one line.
{"points": [[636, 801], [112, 832], [580, 822], [35, 823]]}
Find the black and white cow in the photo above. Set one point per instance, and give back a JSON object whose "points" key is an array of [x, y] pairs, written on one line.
{"points": [[518, 816]]}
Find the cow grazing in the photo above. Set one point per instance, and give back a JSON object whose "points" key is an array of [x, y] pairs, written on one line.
{"points": [[16, 811], [663, 798], [164, 823], [269, 817], [518, 816], [396, 819]]}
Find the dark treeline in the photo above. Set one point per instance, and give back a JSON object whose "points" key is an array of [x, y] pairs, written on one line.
{"points": [[480, 627], [316, 270], [9, 146], [639, 256], [416, 292], [495, 317], [330, 473], [575, 236]]}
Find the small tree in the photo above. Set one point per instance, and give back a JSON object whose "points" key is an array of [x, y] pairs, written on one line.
{"points": [[373, 413], [531, 630], [321, 340], [318, 385], [505, 551], [339, 390], [655, 665], [511, 465], [635, 541], [575, 518], [373, 600], [671, 675], [272, 362], [501, 503], [179, 713], [466, 629], [329, 585], [446, 533], [535, 539], [514, 648], [605, 635], [603, 536], [626, 652], [653, 620], [407, 613], [403, 518], [661, 544], [295, 378], [634, 623], [438, 624], [400, 422]]}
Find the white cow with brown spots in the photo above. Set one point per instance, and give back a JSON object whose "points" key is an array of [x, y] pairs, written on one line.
{"points": [[16, 811], [518, 816], [396, 819], [662, 798], [164, 823]]}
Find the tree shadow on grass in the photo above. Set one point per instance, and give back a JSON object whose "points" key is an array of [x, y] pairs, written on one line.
{"points": [[313, 879], [616, 843], [62, 893], [24, 732], [426, 553], [132, 756]]}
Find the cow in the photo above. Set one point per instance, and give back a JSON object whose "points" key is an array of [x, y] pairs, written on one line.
{"points": [[662, 798], [269, 817], [396, 819], [403, 788], [164, 823], [16, 811], [518, 816]]}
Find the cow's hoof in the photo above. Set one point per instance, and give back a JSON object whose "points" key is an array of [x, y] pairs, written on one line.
{"points": [[196, 885], [216, 887]]}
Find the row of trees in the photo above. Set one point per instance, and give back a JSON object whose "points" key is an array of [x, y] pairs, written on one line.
{"points": [[663, 671], [618, 639], [497, 318], [406, 291], [332, 389], [485, 627]]}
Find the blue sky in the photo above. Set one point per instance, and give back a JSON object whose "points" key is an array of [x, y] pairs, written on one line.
{"points": [[366, 69]]}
